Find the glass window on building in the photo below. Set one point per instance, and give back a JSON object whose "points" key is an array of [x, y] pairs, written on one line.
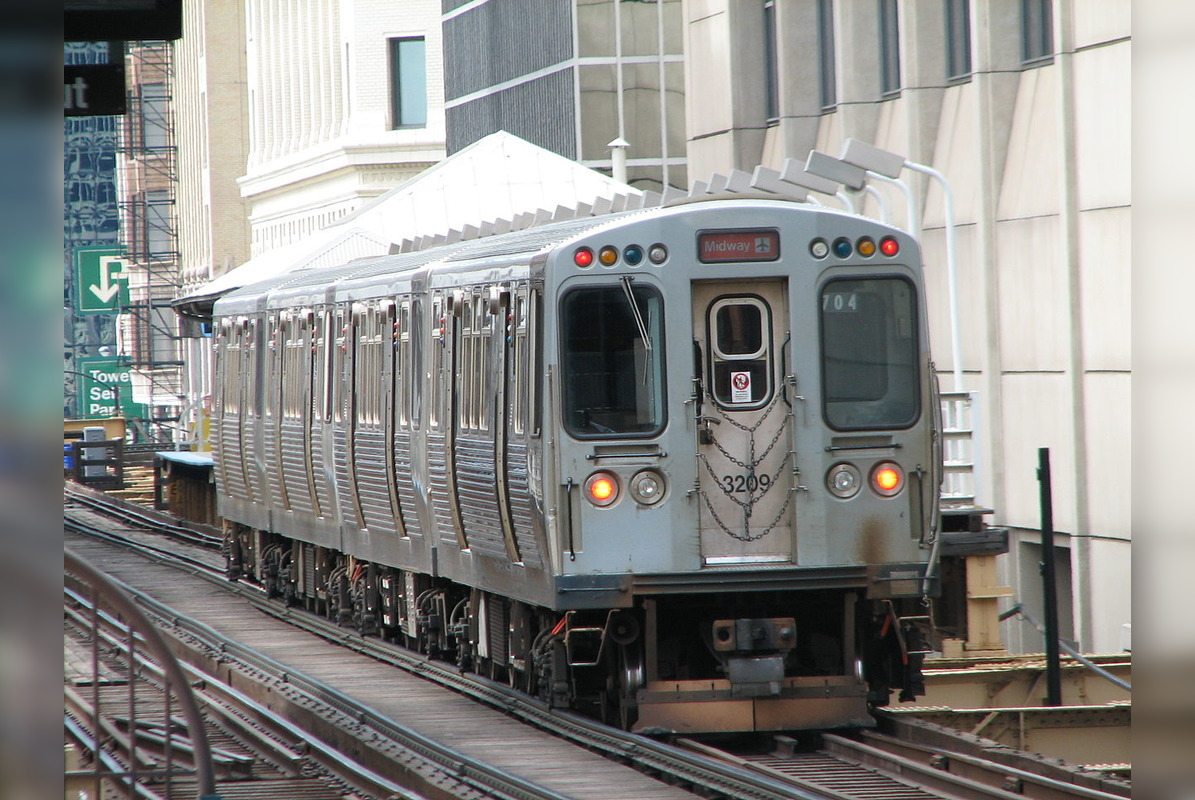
{"points": [[826, 57], [408, 82], [1037, 32], [958, 40], [889, 49]]}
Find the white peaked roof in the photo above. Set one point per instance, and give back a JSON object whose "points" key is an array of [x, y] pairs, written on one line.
{"points": [[493, 179]]}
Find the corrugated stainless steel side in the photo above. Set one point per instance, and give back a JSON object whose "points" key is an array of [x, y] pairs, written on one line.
{"points": [[344, 487], [477, 490], [273, 461], [369, 449], [405, 484], [323, 490], [522, 506], [232, 459], [294, 468], [437, 476]]}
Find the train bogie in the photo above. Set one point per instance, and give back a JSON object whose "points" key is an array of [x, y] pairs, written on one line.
{"points": [[674, 466]]}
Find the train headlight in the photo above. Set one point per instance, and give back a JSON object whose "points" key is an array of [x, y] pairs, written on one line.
{"points": [[843, 480], [601, 489], [818, 248], [657, 254], [887, 479], [647, 487]]}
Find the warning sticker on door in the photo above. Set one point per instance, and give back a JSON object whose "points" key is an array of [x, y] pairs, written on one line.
{"points": [[740, 387]]}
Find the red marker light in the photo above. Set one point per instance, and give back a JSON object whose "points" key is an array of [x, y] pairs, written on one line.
{"points": [[889, 246], [601, 489], [583, 257], [887, 479]]}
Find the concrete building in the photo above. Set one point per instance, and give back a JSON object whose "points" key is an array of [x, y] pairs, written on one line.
{"points": [[212, 134], [1024, 108], [572, 76], [344, 103]]}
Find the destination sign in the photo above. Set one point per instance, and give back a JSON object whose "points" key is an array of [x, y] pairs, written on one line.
{"points": [[752, 244]]}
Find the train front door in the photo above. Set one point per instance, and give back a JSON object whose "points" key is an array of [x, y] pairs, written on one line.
{"points": [[744, 426]]}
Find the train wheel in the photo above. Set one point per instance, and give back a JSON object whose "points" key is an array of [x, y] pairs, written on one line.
{"points": [[619, 706]]}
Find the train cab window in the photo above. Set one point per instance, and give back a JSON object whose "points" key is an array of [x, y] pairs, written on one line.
{"points": [[613, 352], [869, 353], [740, 331]]}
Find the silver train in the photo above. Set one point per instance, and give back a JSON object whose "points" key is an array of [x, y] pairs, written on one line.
{"points": [[675, 467]]}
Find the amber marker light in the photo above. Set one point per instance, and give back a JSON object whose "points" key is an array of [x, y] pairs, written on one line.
{"points": [[865, 247], [601, 489], [608, 256], [887, 479]]}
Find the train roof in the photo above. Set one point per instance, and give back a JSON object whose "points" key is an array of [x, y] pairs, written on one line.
{"points": [[398, 273], [318, 285]]}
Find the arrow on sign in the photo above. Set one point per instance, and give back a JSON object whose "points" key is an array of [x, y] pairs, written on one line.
{"points": [[108, 286]]}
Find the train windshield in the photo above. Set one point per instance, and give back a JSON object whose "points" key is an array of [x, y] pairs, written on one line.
{"points": [[613, 352], [869, 353]]}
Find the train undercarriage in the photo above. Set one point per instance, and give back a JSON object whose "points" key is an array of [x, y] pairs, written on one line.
{"points": [[702, 662]]}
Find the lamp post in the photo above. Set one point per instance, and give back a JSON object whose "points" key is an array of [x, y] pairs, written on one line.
{"points": [[889, 165], [848, 175]]}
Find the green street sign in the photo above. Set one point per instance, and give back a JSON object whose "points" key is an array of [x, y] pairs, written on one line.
{"points": [[106, 389], [102, 281]]}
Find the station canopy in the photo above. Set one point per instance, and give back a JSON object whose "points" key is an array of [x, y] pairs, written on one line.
{"points": [[496, 178]]}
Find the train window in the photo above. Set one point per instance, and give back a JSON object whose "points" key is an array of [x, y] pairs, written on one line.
{"points": [[613, 354], [436, 371], [869, 353], [403, 376], [740, 331]]}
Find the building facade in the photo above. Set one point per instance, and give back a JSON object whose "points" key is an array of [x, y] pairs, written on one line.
{"points": [[210, 105], [344, 103], [572, 76], [1024, 109]]}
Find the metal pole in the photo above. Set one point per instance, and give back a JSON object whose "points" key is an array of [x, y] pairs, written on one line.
{"points": [[951, 288], [1049, 583]]}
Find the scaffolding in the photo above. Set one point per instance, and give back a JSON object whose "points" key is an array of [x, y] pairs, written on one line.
{"points": [[148, 329]]}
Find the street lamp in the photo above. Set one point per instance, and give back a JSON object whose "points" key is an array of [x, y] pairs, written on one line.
{"points": [[889, 165], [848, 175], [795, 173]]}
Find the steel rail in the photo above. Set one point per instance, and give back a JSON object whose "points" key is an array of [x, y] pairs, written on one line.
{"points": [[233, 706], [479, 774], [711, 776]]}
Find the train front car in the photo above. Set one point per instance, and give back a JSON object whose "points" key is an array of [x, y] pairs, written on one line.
{"points": [[746, 469]]}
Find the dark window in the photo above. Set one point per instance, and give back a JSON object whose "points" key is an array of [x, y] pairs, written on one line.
{"points": [[829, 77], [1037, 32], [771, 65], [889, 49], [613, 375], [740, 352], [958, 40], [408, 83], [869, 353]]}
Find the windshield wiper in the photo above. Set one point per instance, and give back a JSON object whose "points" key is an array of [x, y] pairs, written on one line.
{"points": [[626, 289]]}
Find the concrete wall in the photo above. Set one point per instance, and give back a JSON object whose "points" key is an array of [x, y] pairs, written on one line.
{"points": [[1037, 161]]}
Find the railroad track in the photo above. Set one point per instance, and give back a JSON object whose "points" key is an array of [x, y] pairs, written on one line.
{"points": [[841, 769]]}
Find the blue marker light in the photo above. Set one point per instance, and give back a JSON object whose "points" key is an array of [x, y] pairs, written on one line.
{"points": [[842, 247]]}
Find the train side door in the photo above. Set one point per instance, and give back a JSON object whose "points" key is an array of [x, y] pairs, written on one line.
{"points": [[744, 426]]}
